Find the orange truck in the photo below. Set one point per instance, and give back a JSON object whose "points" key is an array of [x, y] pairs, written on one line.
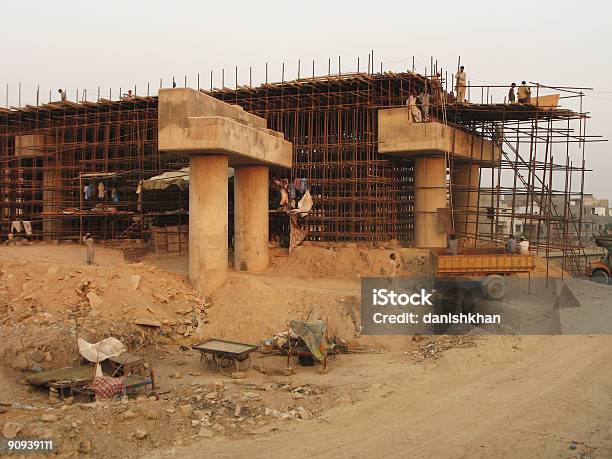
{"points": [[600, 271], [477, 272]]}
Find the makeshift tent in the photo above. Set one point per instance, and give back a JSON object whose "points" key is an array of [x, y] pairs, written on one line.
{"points": [[179, 178], [98, 352]]}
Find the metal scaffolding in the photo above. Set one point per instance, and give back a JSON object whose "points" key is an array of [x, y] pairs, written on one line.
{"points": [[50, 153]]}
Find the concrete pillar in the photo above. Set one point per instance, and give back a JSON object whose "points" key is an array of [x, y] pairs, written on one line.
{"points": [[207, 221], [429, 195], [251, 219], [465, 181]]}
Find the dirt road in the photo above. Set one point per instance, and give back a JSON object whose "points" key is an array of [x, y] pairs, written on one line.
{"points": [[509, 397]]}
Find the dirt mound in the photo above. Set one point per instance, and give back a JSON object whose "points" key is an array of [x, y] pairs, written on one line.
{"points": [[44, 304], [127, 291], [248, 308], [347, 263]]}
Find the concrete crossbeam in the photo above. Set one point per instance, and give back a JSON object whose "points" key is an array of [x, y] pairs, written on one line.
{"points": [[191, 122], [398, 136]]}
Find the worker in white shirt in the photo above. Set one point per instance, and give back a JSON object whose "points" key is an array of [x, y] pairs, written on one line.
{"points": [[415, 113], [461, 78], [89, 243], [523, 246], [425, 102]]}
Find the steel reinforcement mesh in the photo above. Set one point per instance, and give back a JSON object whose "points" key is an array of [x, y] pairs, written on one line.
{"points": [[358, 194]]}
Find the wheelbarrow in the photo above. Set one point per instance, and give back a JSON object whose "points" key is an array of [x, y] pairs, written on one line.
{"points": [[224, 356]]}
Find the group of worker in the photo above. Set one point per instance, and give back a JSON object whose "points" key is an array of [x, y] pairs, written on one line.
{"points": [[419, 107], [512, 246], [523, 94], [521, 247]]}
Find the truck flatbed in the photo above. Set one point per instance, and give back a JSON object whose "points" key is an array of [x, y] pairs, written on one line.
{"points": [[480, 262]]}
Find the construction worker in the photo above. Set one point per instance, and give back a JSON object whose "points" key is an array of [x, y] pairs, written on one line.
{"points": [[436, 89], [89, 242], [511, 245], [62, 93], [524, 93], [425, 102], [511, 96], [461, 78], [415, 113], [393, 264]]}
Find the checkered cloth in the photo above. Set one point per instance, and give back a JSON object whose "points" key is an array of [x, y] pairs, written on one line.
{"points": [[106, 387]]}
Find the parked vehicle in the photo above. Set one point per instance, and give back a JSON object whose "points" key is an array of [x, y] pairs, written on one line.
{"points": [[476, 273], [600, 271]]}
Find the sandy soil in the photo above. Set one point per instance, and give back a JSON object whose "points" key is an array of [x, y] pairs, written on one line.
{"points": [[508, 397], [538, 396]]}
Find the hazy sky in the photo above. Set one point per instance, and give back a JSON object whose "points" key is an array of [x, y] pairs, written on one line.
{"points": [[113, 44]]}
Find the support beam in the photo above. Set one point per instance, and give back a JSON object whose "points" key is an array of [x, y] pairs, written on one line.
{"points": [[251, 220], [429, 196], [208, 213], [465, 183]]}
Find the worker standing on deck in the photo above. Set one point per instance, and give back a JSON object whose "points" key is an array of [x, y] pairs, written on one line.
{"points": [[523, 246], [392, 265], [461, 78], [89, 242], [511, 246], [511, 96], [425, 102], [436, 89], [524, 93], [62, 93], [415, 113]]}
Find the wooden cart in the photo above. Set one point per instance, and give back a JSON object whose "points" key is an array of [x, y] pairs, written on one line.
{"points": [[224, 356]]}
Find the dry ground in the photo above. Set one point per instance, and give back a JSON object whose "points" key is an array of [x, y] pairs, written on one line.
{"points": [[538, 396]]}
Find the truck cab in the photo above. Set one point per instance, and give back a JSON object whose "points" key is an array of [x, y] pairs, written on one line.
{"points": [[600, 271]]}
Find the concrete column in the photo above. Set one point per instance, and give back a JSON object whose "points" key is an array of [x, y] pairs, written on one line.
{"points": [[207, 222], [251, 219], [465, 180], [429, 195]]}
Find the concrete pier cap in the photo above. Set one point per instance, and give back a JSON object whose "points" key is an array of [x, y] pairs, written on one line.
{"points": [[216, 135], [398, 136]]}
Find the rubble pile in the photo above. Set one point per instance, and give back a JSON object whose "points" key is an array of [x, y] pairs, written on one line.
{"points": [[173, 417], [434, 347], [43, 307]]}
